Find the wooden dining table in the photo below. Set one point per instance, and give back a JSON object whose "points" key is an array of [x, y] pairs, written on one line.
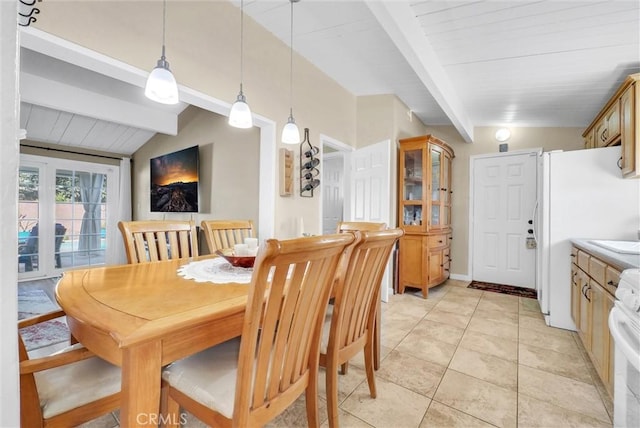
{"points": [[144, 316]]}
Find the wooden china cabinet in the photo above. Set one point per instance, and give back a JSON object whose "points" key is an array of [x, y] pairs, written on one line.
{"points": [[424, 212]]}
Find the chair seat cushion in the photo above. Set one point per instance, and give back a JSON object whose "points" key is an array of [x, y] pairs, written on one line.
{"points": [[208, 377], [73, 385]]}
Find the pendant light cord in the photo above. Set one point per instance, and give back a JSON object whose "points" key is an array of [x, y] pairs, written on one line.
{"points": [[164, 24], [291, 66], [241, 42]]}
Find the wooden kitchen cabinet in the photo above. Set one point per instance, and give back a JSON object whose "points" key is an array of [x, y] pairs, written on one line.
{"points": [[424, 212], [630, 130], [618, 123], [607, 129], [593, 285]]}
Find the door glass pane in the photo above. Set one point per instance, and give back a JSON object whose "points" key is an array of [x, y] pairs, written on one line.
{"points": [[28, 218], [435, 175], [435, 215], [412, 215], [80, 218], [446, 180], [413, 175]]}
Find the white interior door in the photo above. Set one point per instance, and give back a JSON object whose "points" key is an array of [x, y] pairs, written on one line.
{"points": [[332, 191], [503, 202], [371, 192]]}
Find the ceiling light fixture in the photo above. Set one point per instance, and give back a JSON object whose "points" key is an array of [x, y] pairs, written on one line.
{"points": [[503, 134], [240, 115], [161, 85], [290, 132]]}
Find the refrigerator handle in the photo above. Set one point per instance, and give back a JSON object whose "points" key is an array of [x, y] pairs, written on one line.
{"points": [[535, 225]]}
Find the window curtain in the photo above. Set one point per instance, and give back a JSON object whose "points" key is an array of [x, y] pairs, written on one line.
{"points": [[115, 250], [91, 195]]}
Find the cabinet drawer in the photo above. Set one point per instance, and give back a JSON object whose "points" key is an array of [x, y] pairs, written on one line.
{"points": [[611, 278], [597, 270], [435, 241], [583, 260]]}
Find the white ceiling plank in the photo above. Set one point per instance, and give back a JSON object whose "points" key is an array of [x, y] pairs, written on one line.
{"points": [[397, 20]]}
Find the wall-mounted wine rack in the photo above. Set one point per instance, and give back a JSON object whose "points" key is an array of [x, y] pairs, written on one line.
{"points": [[309, 162]]}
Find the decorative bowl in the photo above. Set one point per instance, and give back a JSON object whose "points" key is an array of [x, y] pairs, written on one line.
{"points": [[236, 261]]}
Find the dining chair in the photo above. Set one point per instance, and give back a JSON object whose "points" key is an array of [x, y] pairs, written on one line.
{"points": [[351, 226], [155, 240], [349, 325], [248, 381], [66, 388], [345, 226], [226, 233]]}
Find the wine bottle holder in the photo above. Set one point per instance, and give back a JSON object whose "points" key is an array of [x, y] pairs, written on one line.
{"points": [[309, 163]]}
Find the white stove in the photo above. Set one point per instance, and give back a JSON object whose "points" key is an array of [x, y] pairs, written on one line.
{"points": [[624, 324]]}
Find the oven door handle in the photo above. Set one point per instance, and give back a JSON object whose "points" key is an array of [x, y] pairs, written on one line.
{"points": [[619, 328]]}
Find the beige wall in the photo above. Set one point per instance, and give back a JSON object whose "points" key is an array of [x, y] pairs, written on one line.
{"points": [[228, 164], [485, 142]]}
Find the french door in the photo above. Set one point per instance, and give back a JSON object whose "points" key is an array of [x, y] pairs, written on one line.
{"points": [[66, 214]]}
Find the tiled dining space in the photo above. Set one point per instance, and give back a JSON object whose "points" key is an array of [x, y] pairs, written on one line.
{"points": [[463, 358]]}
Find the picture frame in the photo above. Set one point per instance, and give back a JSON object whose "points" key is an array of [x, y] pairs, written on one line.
{"points": [[174, 181]]}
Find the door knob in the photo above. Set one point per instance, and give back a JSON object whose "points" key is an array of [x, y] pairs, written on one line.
{"points": [[530, 231]]}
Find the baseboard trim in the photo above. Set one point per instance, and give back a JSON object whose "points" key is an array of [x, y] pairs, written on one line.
{"points": [[460, 277]]}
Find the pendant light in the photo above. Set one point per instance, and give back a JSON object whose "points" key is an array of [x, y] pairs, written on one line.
{"points": [[161, 85], [290, 132], [240, 114]]}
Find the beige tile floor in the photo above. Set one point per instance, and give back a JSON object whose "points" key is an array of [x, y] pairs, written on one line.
{"points": [[464, 358]]}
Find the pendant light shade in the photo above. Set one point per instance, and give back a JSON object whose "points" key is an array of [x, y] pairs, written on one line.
{"points": [[240, 114], [161, 85], [290, 132]]}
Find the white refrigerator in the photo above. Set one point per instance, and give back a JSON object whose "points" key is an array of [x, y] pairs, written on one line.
{"points": [[581, 194]]}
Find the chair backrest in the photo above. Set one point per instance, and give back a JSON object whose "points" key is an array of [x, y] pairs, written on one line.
{"points": [[358, 287], [279, 350], [155, 240], [345, 226], [226, 233]]}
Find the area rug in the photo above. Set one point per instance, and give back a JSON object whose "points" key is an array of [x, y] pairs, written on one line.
{"points": [[504, 289], [35, 302]]}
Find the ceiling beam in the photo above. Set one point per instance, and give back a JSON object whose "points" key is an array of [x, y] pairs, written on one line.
{"points": [[71, 99], [400, 23]]}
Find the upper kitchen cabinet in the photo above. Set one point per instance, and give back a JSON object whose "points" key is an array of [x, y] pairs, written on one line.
{"points": [[618, 124], [424, 212]]}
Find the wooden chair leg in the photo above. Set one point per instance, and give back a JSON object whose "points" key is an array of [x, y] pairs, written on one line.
{"points": [[376, 336], [332, 394], [344, 368], [368, 366], [311, 399], [169, 409]]}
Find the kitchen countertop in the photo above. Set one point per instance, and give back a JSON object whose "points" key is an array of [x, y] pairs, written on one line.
{"points": [[619, 260]]}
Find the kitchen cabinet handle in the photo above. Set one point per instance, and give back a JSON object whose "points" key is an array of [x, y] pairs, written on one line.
{"points": [[573, 255], [612, 283], [620, 162]]}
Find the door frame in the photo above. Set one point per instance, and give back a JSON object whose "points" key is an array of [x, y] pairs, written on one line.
{"points": [[537, 151], [345, 151]]}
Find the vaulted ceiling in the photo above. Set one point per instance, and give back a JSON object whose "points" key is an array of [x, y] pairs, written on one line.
{"points": [[465, 63]]}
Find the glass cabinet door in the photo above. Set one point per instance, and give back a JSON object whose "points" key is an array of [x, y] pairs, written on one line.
{"points": [[436, 185], [412, 187], [446, 185]]}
